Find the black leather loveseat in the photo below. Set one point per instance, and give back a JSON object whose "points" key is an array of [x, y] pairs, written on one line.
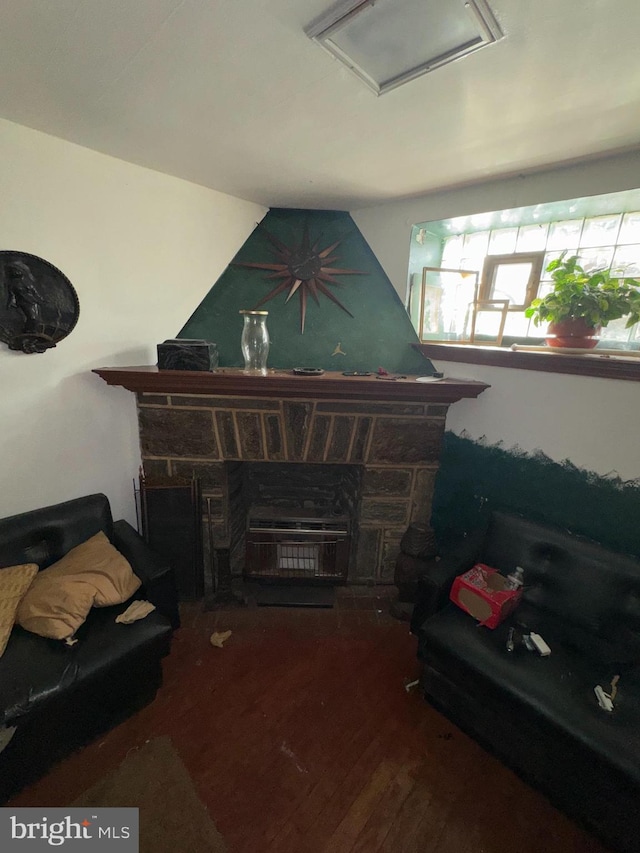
{"points": [[540, 714], [58, 697]]}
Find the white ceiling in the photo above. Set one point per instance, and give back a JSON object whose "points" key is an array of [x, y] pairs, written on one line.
{"points": [[231, 94]]}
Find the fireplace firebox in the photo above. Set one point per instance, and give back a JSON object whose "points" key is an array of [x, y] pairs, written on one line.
{"points": [[300, 520], [296, 547]]}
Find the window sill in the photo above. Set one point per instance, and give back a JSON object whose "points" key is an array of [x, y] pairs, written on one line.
{"points": [[605, 367]]}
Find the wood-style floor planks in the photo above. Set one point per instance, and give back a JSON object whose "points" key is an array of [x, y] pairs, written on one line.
{"points": [[300, 738], [365, 804], [379, 820]]}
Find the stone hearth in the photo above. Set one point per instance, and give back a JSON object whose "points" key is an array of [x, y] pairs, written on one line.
{"points": [[392, 430]]}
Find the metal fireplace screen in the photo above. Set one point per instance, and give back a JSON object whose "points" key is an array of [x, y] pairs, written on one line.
{"points": [[296, 547]]}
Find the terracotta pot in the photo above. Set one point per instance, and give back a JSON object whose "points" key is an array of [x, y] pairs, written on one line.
{"points": [[575, 333]]}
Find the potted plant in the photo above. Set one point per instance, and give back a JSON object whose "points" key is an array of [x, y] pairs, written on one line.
{"points": [[581, 303]]}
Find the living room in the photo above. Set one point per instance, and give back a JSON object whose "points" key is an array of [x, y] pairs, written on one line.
{"points": [[143, 245]]}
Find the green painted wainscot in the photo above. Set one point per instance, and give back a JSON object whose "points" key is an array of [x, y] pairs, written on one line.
{"points": [[475, 478]]}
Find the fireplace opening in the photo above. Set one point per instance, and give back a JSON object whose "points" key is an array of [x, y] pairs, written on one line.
{"points": [[300, 521], [300, 547]]}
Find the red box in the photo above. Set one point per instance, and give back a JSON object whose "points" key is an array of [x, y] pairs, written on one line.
{"points": [[483, 593]]}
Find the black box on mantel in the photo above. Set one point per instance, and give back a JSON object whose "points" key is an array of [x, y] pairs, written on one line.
{"points": [[187, 354]]}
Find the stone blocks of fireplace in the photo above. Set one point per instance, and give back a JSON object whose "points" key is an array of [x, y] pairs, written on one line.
{"points": [[396, 444]]}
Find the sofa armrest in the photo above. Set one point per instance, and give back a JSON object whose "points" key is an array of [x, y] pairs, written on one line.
{"points": [[435, 585], [155, 572]]}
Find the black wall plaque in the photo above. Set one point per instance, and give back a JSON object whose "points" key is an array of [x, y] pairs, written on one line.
{"points": [[38, 305]]}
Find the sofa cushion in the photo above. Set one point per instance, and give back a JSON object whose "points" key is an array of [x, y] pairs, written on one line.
{"points": [[576, 579], [91, 574], [35, 670], [61, 527], [26, 552], [558, 688], [14, 582]]}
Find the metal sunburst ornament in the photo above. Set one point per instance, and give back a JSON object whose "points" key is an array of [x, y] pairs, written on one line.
{"points": [[304, 269]]}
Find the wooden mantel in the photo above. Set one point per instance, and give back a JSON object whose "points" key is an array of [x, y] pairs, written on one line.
{"points": [[284, 384]]}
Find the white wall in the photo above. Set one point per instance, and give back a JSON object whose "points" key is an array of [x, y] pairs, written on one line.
{"points": [[141, 249], [387, 227], [592, 422]]}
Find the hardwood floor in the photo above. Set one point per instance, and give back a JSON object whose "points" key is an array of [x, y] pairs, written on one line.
{"points": [[300, 737]]}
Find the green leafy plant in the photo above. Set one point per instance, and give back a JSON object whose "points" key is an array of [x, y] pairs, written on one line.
{"points": [[597, 297]]}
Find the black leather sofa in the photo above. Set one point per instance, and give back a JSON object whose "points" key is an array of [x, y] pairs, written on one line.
{"points": [[540, 714], [58, 697]]}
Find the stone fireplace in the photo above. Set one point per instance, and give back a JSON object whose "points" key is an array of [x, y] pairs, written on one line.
{"points": [[397, 446], [216, 426]]}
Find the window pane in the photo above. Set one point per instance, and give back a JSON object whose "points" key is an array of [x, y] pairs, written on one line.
{"points": [[488, 324], [563, 234], [596, 259], [448, 298], [626, 261], [475, 250], [630, 228], [616, 331], [551, 256], [432, 318], [517, 326], [452, 253], [413, 306], [503, 241], [532, 238], [544, 289], [510, 282], [600, 230]]}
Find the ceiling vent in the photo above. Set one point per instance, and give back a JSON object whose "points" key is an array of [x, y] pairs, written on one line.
{"points": [[389, 42]]}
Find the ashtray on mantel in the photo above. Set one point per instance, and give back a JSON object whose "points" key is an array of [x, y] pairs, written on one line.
{"points": [[308, 371]]}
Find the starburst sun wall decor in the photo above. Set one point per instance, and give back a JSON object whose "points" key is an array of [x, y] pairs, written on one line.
{"points": [[304, 269]]}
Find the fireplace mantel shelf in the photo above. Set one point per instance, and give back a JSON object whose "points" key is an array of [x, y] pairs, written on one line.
{"points": [[283, 384]]}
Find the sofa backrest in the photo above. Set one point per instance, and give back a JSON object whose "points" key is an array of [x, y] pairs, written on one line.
{"points": [[568, 575], [45, 535]]}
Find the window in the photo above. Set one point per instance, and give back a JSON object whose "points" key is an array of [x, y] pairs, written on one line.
{"points": [[512, 277], [510, 250]]}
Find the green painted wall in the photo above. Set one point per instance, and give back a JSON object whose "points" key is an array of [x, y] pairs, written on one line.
{"points": [[426, 250], [475, 478], [379, 334]]}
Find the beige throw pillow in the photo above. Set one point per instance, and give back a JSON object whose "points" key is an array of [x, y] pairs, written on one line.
{"points": [[93, 574], [14, 582]]}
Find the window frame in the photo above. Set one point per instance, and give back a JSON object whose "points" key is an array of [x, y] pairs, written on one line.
{"points": [[489, 269]]}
